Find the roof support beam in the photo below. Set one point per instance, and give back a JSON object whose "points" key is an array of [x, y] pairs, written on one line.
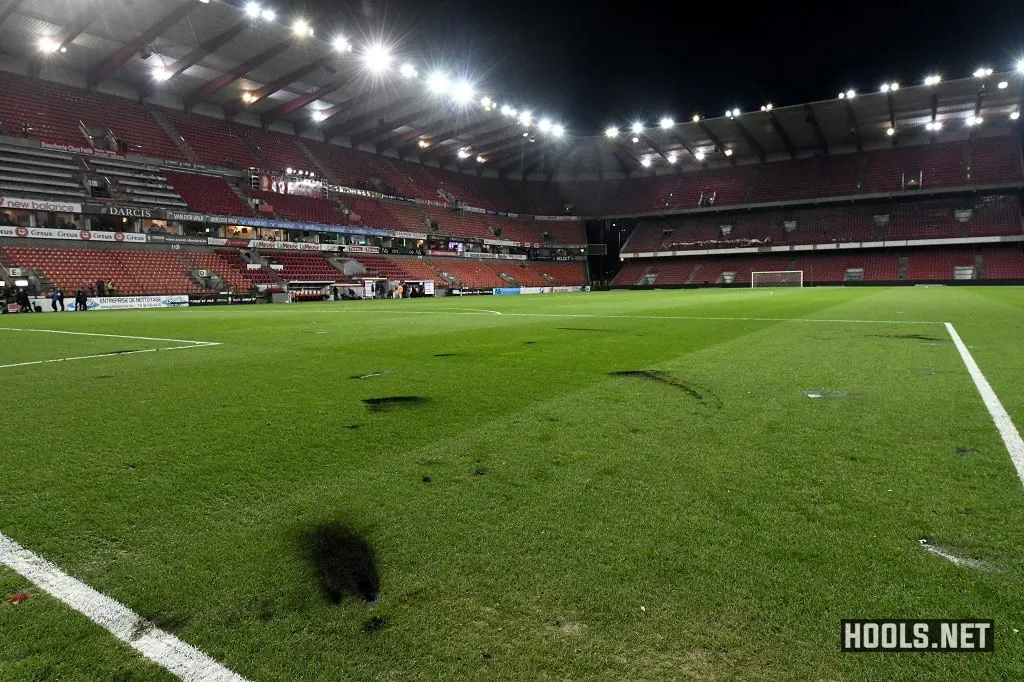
{"points": [[441, 137], [783, 135], [120, 57], [851, 118], [341, 108], [400, 140], [285, 80], [372, 116], [8, 8], [200, 52], [819, 135], [519, 158], [684, 144], [301, 101], [656, 147], [217, 84], [749, 139], [495, 143], [719, 146], [892, 118], [381, 134]]}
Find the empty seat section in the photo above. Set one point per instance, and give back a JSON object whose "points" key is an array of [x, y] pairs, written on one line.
{"points": [[214, 262], [212, 140], [300, 266], [302, 209], [277, 150], [207, 194]]}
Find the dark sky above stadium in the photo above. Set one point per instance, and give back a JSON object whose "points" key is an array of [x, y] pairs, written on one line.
{"points": [[589, 64]]}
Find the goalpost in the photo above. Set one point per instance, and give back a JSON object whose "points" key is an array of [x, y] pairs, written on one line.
{"points": [[777, 278]]}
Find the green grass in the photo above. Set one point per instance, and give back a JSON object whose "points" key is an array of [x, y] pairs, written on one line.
{"points": [[577, 525]]}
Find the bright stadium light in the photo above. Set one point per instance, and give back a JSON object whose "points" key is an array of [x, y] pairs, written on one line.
{"points": [[506, 110], [301, 28], [637, 128], [842, 95], [319, 116], [268, 15], [894, 86], [1003, 85], [645, 162], [377, 58], [1014, 116], [439, 82], [974, 121], [48, 45], [635, 139], [934, 79], [1020, 65], [890, 131], [341, 44], [728, 113], [253, 10], [463, 92], [728, 152], [408, 71], [696, 118], [736, 112], [464, 153], [851, 93], [526, 117], [161, 74], [248, 97], [480, 159], [288, 170], [699, 156], [545, 125], [982, 72], [933, 126], [672, 157], [766, 107], [558, 130], [666, 123], [885, 87], [485, 102], [611, 132]]}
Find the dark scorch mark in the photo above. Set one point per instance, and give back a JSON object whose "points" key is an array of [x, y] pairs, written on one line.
{"points": [[343, 562], [662, 378], [391, 402]]}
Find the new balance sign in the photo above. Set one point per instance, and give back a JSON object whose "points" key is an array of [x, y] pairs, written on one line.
{"points": [[883, 634], [38, 205]]}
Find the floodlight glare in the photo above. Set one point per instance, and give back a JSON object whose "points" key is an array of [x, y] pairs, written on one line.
{"points": [[1020, 65], [672, 157], [851, 93], [934, 79], [842, 95], [1014, 116], [637, 127], [525, 117], [319, 116], [268, 15], [890, 131], [248, 97], [974, 120], [1003, 85], [933, 126], [253, 9], [439, 82], [728, 152], [341, 44], [480, 159], [462, 92], [611, 132], [558, 130], [506, 110], [408, 71], [645, 162], [699, 156], [885, 87], [288, 170], [982, 72], [544, 125], [736, 112], [666, 123], [485, 102], [463, 153], [160, 74], [635, 139], [301, 28], [377, 58], [696, 118], [48, 45], [894, 86]]}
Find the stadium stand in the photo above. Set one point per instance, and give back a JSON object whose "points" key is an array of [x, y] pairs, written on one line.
{"points": [[275, 150], [233, 257], [299, 266], [397, 269], [211, 140], [208, 194], [560, 274], [215, 262], [301, 209], [39, 172]]}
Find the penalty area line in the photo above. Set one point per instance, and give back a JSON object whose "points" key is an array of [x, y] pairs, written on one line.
{"points": [[1007, 430], [182, 659], [105, 355], [108, 336]]}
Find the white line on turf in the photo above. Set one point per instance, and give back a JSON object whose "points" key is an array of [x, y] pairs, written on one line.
{"points": [[1011, 437], [104, 355], [166, 650], [109, 336], [472, 311]]}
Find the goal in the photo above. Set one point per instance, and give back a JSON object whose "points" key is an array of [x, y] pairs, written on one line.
{"points": [[777, 278]]}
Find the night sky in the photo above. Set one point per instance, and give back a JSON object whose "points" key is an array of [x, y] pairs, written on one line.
{"points": [[588, 64]]}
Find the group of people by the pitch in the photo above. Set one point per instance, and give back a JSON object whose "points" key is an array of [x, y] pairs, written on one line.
{"points": [[19, 300]]}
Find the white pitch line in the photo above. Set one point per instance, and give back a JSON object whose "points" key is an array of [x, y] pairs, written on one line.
{"points": [[472, 311], [1008, 432], [105, 355], [109, 336], [182, 659]]}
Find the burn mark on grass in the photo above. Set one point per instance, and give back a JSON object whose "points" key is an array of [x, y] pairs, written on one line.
{"points": [[104, 376], [353, 427], [914, 337], [530, 343], [963, 451], [660, 377], [343, 561], [389, 403], [374, 624], [446, 355], [169, 622]]}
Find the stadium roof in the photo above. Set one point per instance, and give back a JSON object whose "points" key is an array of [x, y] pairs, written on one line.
{"points": [[257, 69]]}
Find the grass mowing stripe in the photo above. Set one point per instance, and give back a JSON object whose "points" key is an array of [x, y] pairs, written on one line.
{"points": [[103, 355], [166, 650], [1010, 435]]}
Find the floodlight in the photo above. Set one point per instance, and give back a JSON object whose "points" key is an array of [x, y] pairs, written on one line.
{"points": [[48, 45], [890, 131], [933, 126], [377, 58], [768, 107], [699, 156], [696, 118], [1014, 116], [462, 92], [423, 144], [635, 139], [728, 113], [253, 9], [666, 123], [611, 132], [300, 27], [525, 117], [544, 125], [408, 71], [894, 86], [248, 97], [645, 162], [851, 93], [974, 120], [885, 87], [558, 130], [1020, 65], [480, 159], [842, 95], [637, 127], [288, 170], [506, 110], [736, 112], [1003, 85], [485, 101], [341, 44], [268, 15], [439, 82], [319, 116], [728, 152], [934, 79], [463, 153], [161, 74], [982, 72], [672, 157]]}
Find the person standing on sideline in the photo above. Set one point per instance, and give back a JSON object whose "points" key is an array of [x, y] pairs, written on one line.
{"points": [[53, 300], [60, 299], [101, 288], [110, 289]]}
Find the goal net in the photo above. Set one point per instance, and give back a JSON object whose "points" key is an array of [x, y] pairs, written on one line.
{"points": [[777, 278]]}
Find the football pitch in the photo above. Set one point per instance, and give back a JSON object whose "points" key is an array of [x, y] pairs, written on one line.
{"points": [[608, 486]]}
